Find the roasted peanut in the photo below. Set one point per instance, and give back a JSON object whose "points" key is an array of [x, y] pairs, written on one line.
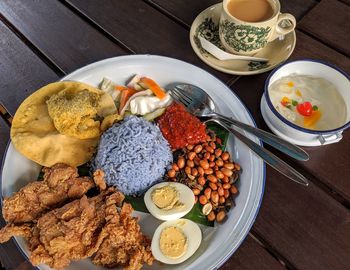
{"points": [[171, 173], [196, 161], [220, 216], [200, 170], [209, 149], [188, 170], [212, 158], [237, 167], [226, 186], [212, 145], [219, 174], [196, 191], [226, 172], [221, 191], [198, 149], [211, 216], [204, 164], [214, 197], [225, 156], [189, 147], [181, 162], [190, 163], [219, 163], [201, 180], [191, 155], [212, 178], [211, 164], [226, 193], [208, 171], [208, 138], [206, 155], [218, 152], [229, 166], [233, 189], [175, 167], [225, 179], [194, 172], [222, 199], [207, 192], [203, 199], [213, 186]]}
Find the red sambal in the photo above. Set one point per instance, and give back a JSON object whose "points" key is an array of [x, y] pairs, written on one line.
{"points": [[180, 128]]}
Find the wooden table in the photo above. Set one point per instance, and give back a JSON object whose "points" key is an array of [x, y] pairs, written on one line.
{"points": [[297, 227]]}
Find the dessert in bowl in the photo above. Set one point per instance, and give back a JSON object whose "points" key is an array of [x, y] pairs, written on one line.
{"points": [[307, 102]]}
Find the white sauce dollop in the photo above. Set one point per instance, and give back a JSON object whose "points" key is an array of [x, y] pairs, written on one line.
{"points": [[142, 105], [318, 91]]}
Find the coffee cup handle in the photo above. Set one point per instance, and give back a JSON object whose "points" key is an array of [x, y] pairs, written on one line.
{"points": [[285, 24]]}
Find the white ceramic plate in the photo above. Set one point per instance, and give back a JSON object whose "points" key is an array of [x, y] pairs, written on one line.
{"points": [[218, 242]]}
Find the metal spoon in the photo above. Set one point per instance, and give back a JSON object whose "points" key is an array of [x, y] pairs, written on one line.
{"points": [[199, 103]]}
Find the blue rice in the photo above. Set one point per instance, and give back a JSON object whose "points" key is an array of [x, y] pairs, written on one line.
{"points": [[134, 155]]}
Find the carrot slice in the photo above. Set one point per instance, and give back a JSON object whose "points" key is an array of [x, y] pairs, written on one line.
{"points": [[120, 87], [155, 88], [125, 95]]}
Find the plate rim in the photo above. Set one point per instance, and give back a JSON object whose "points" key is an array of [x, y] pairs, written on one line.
{"points": [[258, 202]]}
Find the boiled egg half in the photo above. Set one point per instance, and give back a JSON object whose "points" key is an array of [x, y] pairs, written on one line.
{"points": [[175, 241], [169, 200]]}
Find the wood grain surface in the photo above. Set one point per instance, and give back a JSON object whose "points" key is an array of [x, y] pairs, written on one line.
{"points": [[187, 11], [144, 29], [329, 22], [22, 72], [67, 40], [297, 227]]}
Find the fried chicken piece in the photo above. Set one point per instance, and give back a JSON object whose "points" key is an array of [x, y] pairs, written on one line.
{"points": [[24, 230], [124, 244], [72, 232], [61, 182]]}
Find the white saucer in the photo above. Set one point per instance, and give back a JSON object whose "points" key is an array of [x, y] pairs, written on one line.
{"points": [[206, 25]]}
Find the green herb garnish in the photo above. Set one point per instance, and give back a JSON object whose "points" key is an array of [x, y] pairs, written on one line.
{"points": [[314, 108], [294, 102]]}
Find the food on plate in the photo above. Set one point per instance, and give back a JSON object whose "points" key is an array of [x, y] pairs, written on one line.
{"points": [[175, 241], [308, 101], [133, 155], [72, 232], [86, 227], [210, 173], [181, 128], [123, 244], [35, 136], [78, 112], [169, 201], [142, 96], [61, 183]]}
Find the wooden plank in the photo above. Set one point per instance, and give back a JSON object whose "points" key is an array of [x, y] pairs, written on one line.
{"points": [[67, 40], [22, 72], [186, 11], [251, 255], [307, 48], [306, 226], [329, 22], [143, 29]]}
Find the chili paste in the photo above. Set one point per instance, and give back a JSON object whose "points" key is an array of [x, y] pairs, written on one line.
{"points": [[180, 128]]}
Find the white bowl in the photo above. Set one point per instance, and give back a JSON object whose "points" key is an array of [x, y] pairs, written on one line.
{"points": [[288, 130]]}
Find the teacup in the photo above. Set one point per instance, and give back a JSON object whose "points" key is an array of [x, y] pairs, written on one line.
{"points": [[246, 38]]}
